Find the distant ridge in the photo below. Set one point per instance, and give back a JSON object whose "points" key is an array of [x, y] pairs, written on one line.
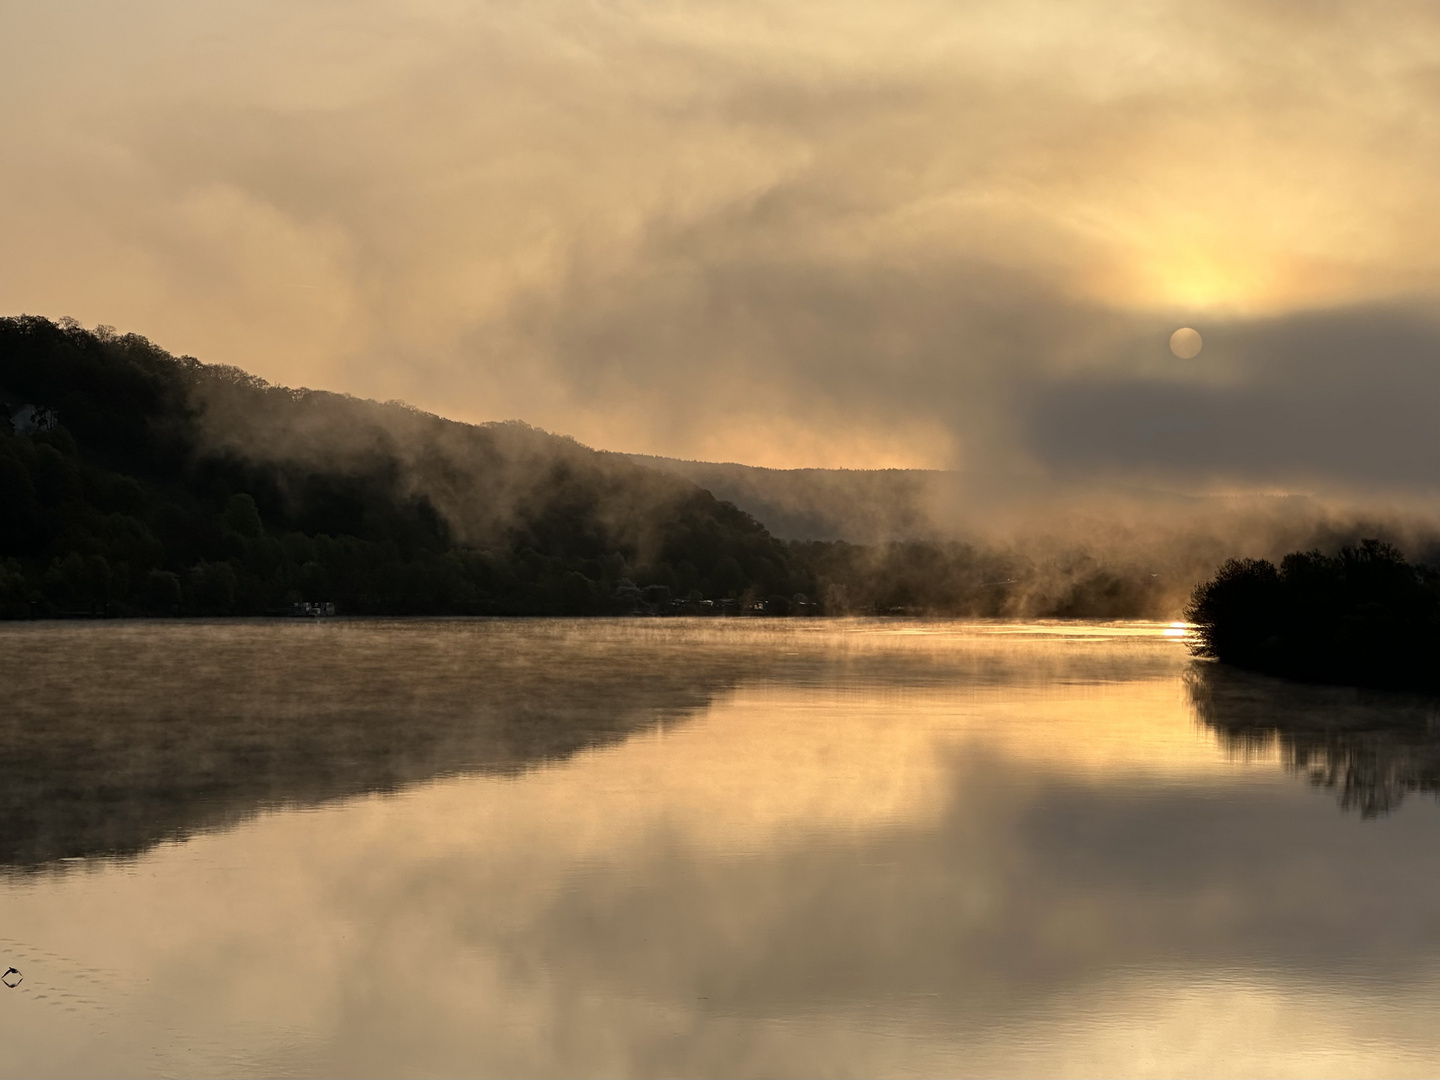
{"points": [[861, 506]]}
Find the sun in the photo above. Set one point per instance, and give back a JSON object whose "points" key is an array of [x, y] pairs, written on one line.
{"points": [[1186, 343]]}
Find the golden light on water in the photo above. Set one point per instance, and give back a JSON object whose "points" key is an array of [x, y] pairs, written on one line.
{"points": [[841, 847]]}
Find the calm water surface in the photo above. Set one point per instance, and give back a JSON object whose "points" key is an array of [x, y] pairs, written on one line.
{"points": [[662, 848]]}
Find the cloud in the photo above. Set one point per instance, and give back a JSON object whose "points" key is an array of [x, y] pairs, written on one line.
{"points": [[790, 234], [1339, 400]]}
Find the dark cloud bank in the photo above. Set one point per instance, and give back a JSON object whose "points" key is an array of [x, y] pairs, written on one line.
{"points": [[1336, 401]]}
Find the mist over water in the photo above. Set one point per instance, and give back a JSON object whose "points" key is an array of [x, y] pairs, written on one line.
{"points": [[690, 847]]}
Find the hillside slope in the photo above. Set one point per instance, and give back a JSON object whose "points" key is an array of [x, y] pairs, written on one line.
{"points": [[136, 482]]}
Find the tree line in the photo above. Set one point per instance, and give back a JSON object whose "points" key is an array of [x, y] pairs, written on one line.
{"points": [[1363, 617]]}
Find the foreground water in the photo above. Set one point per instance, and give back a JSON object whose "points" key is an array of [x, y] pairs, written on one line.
{"points": [[715, 848]]}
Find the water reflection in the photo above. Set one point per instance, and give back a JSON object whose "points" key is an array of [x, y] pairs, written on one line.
{"points": [[118, 736], [670, 849], [1371, 747]]}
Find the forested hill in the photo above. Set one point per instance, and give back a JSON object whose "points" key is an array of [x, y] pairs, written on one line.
{"points": [[135, 482]]}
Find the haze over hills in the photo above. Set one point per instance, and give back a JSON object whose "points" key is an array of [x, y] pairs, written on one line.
{"points": [[861, 506], [136, 482], [1182, 535]]}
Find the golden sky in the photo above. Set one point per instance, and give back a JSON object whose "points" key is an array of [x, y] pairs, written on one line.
{"points": [[791, 233]]}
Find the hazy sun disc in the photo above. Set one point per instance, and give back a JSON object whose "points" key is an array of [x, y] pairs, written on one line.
{"points": [[1186, 343]]}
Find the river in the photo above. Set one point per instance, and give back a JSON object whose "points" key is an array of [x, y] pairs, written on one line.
{"points": [[702, 848]]}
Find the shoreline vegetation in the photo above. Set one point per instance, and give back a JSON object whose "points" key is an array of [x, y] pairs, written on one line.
{"points": [[137, 483], [1364, 617]]}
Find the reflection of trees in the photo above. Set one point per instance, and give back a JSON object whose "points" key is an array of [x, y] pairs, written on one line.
{"points": [[115, 737], [1371, 747], [114, 742]]}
